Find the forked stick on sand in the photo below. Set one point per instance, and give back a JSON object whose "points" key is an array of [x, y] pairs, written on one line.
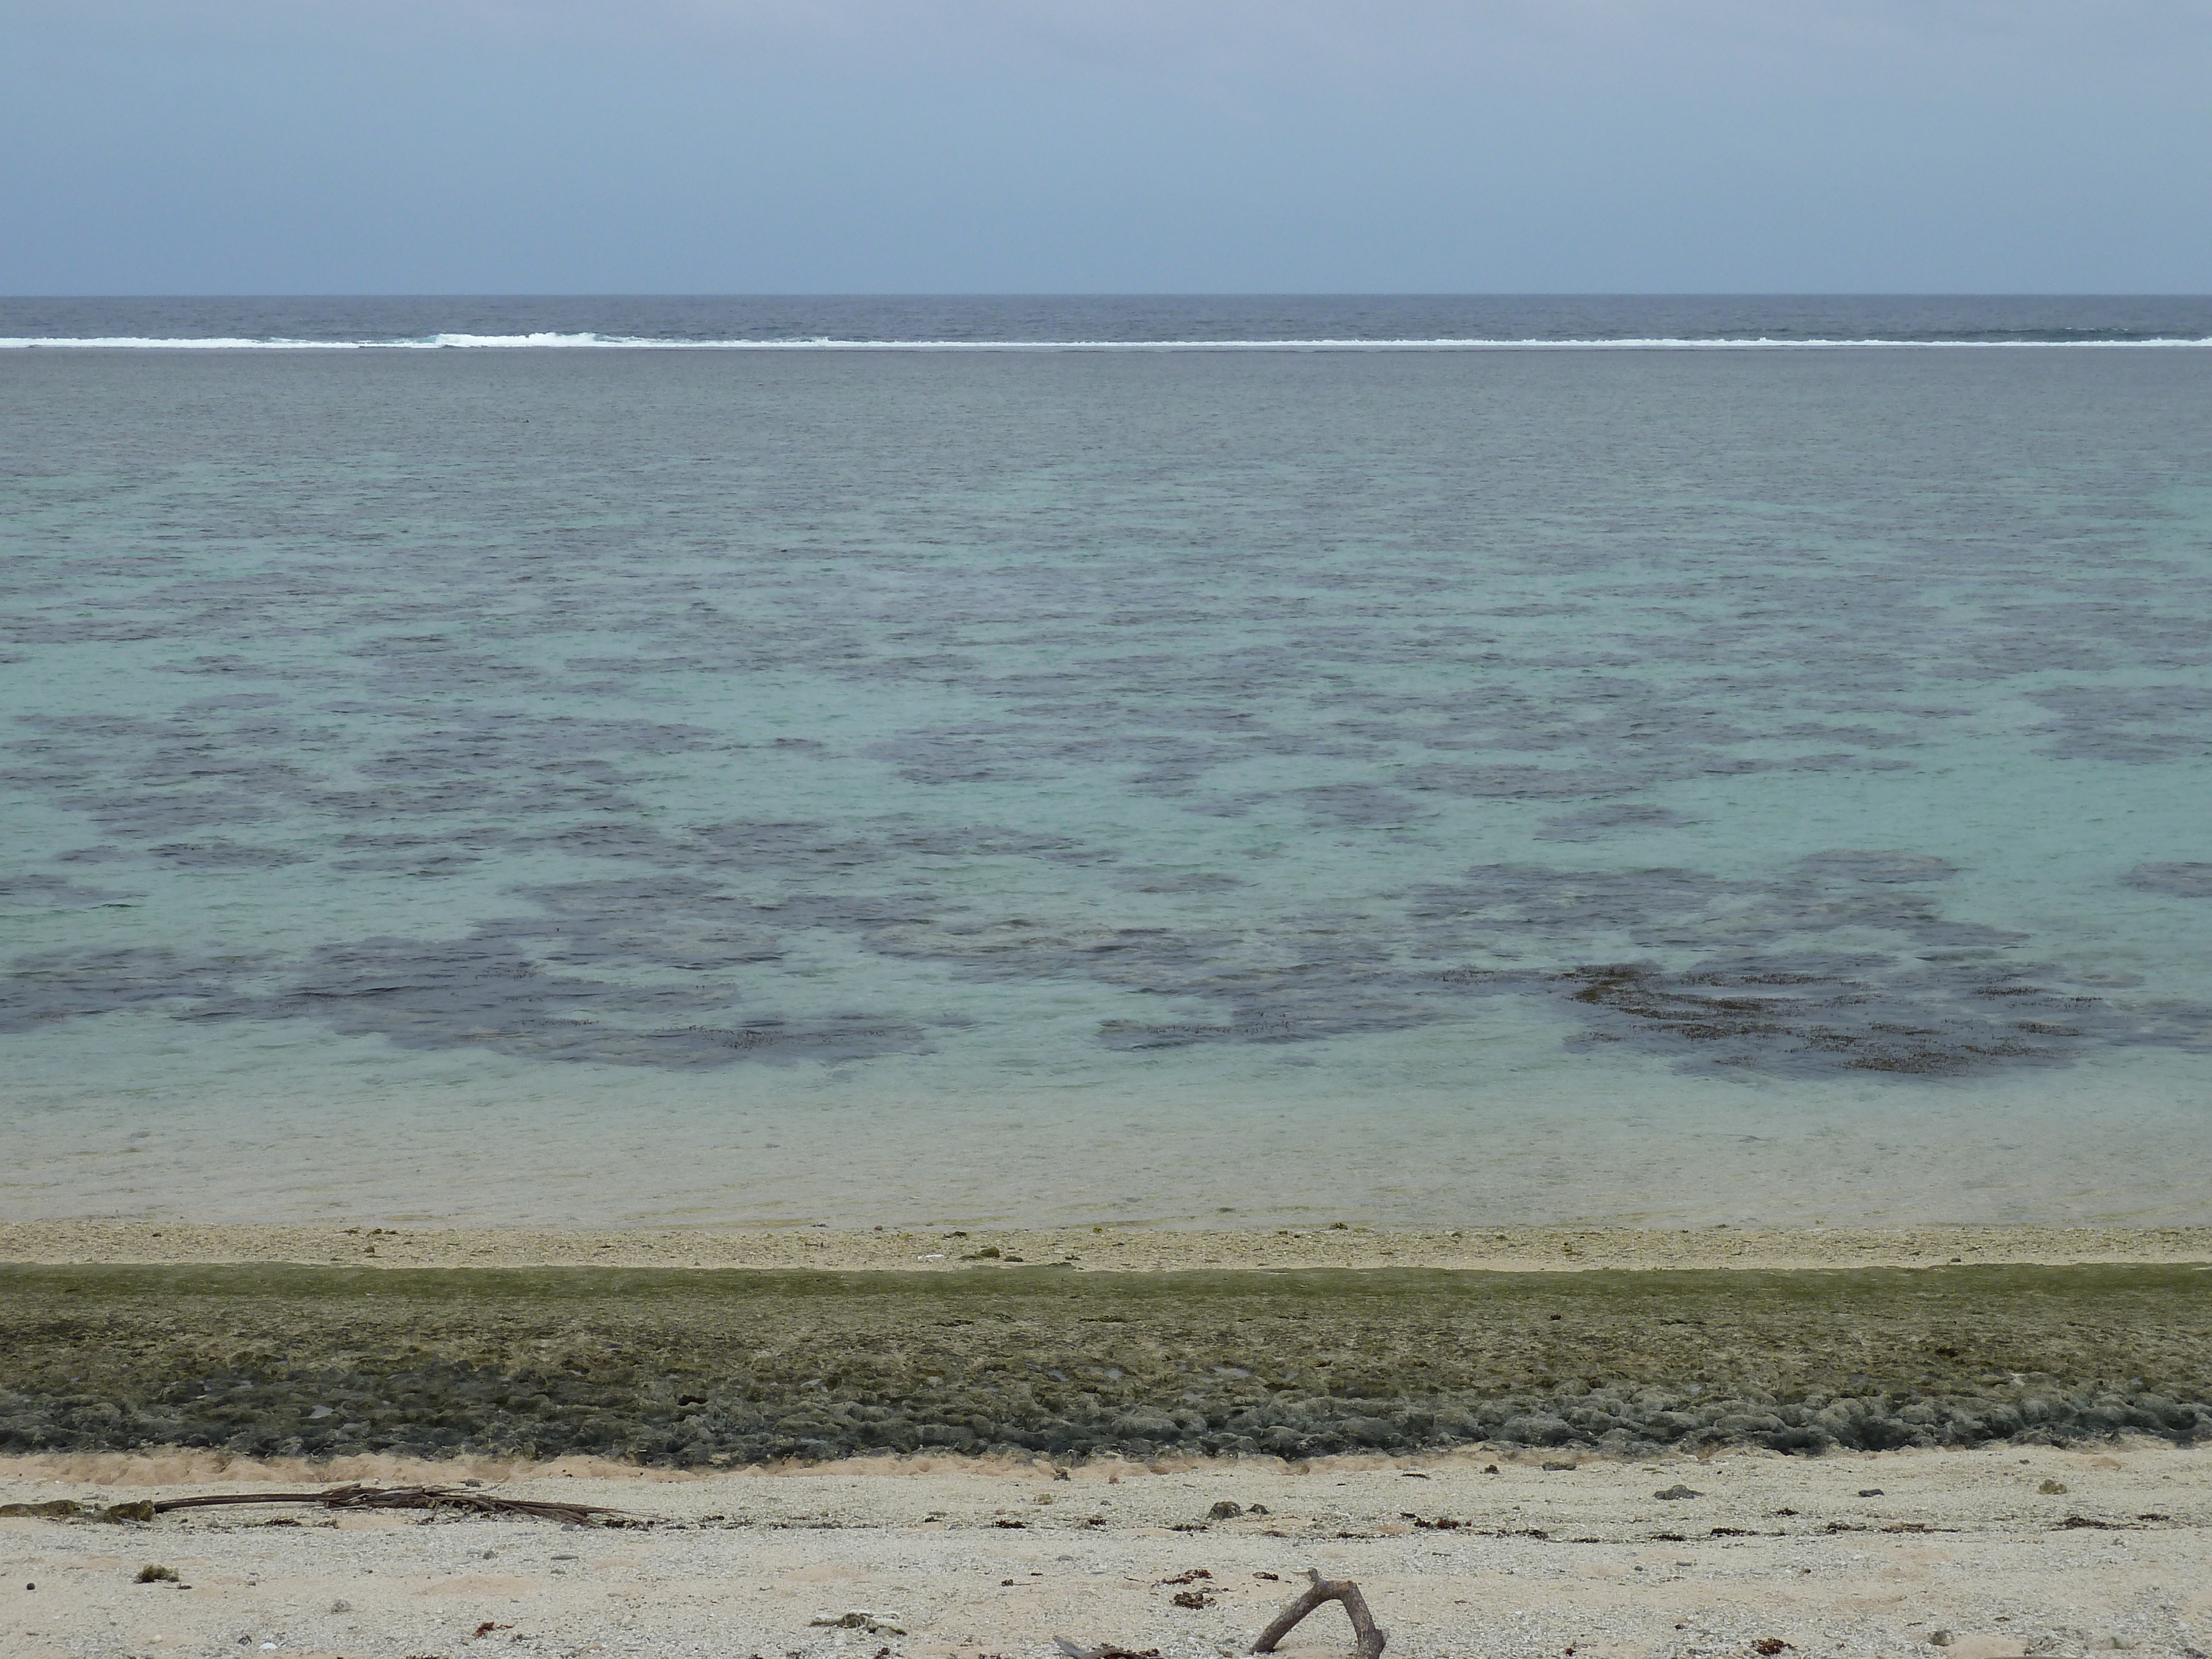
{"points": [[1369, 1636]]}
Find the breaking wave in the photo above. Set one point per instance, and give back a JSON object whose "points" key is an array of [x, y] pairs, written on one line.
{"points": [[542, 342]]}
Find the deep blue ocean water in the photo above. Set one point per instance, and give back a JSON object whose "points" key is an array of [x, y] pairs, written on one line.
{"points": [[1699, 780]]}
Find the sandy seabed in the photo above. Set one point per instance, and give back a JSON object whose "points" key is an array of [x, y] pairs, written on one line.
{"points": [[953, 1559]]}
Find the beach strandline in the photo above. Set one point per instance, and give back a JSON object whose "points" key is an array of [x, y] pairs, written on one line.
{"points": [[393, 1242], [714, 1350]]}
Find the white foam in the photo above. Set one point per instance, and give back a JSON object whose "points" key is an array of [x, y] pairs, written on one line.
{"points": [[542, 342]]}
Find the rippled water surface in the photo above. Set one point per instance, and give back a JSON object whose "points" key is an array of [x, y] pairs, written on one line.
{"points": [[1414, 785]]}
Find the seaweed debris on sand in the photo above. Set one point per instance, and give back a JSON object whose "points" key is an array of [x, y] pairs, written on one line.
{"points": [[719, 1367]]}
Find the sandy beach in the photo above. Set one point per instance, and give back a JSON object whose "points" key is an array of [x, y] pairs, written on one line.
{"points": [[962, 1444], [1985, 1553]]}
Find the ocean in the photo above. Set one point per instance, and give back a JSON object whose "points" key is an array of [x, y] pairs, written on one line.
{"points": [[1415, 760]]}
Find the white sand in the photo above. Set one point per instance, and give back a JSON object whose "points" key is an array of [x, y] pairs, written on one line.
{"points": [[916, 1538]]}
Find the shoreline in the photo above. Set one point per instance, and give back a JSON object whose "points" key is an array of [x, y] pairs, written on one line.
{"points": [[1103, 1248]]}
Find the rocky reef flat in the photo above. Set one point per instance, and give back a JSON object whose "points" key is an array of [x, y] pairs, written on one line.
{"points": [[714, 1367]]}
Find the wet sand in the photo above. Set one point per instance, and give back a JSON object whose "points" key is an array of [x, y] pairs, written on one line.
{"points": [[960, 1559]]}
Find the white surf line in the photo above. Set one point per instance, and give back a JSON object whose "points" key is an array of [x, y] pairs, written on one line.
{"points": [[621, 343]]}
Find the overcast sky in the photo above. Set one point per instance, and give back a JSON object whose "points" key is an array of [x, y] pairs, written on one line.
{"points": [[1035, 146]]}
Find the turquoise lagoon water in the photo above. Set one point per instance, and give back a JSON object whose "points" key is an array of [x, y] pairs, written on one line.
{"points": [[1428, 785]]}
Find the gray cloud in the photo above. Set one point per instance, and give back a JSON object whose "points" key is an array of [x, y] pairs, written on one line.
{"points": [[811, 145]]}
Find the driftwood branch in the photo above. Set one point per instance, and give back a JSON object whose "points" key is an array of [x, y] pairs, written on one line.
{"points": [[396, 1497], [1363, 1628]]}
